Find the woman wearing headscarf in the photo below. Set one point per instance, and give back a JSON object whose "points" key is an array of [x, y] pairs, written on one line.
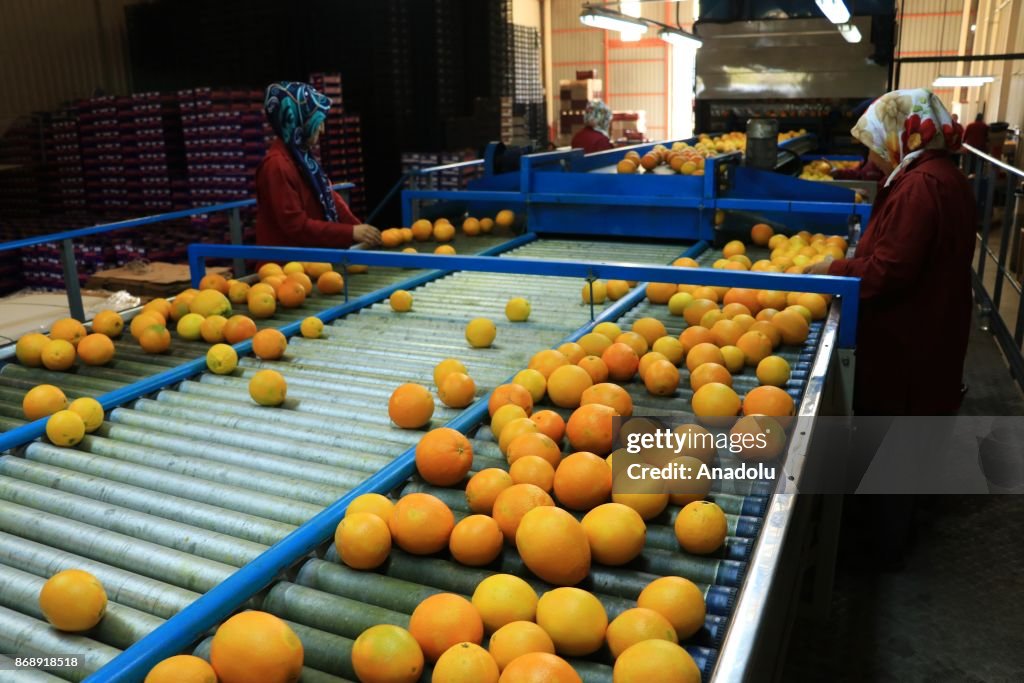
{"points": [[913, 261], [295, 205], [594, 136]]}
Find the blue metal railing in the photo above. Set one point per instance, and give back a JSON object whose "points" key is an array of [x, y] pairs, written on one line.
{"points": [[67, 257]]}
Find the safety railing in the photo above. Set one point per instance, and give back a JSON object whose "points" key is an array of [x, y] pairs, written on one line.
{"points": [[67, 248], [999, 267]]}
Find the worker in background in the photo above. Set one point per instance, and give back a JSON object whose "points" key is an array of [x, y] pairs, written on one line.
{"points": [[295, 205], [976, 136], [594, 136]]}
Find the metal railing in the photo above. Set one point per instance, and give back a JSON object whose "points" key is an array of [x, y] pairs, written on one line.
{"points": [[67, 237], [996, 182]]}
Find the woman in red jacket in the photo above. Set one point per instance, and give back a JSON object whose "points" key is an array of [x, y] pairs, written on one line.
{"points": [[295, 205], [594, 136]]}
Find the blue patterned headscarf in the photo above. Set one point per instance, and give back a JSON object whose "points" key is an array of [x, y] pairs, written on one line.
{"points": [[295, 111]]}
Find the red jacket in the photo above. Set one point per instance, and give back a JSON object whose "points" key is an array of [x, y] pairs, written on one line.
{"points": [[288, 214], [591, 140], [976, 135], [914, 262]]}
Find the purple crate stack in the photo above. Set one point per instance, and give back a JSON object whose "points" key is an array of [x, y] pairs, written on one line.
{"points": [[19, 159], [353, 154], [152, 150], [40, 265], [66, 187], [106, 187], [332, 142]]}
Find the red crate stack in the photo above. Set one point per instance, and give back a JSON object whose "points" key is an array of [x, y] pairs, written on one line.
{"points": [[152, 151], [19, 159], [106, 187], [353, 159], [341, 145], [66, 186]]}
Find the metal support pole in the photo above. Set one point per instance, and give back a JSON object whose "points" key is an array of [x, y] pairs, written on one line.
{"points": [[590, 284], [235, 227], [67, 261]]}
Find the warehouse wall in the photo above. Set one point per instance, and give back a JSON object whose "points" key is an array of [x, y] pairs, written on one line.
{"points": [[56, 50]]}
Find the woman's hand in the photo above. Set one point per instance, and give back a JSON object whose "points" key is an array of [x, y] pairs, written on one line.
{"points": [[366, 234], [819, 268]]}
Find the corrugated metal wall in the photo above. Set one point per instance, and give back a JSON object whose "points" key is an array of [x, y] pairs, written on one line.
{"points": [[931, 28], [56, 50]]}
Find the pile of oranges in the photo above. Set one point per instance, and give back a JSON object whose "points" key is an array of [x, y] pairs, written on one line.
{"points": [[443, 231], [681, 158]]}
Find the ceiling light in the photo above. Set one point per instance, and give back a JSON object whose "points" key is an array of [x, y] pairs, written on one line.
{"points": [[961, 81], [849, 32], [834, 10], [611, 21], [674, 37]]}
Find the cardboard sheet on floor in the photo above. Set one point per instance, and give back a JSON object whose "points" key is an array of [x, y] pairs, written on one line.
{"points": [[156, 279], [35, 312]]}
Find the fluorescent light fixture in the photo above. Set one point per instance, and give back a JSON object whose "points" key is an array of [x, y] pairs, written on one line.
{"points": [[834, 10], [674, 37], [849, 32], [611, 21], [961, 81], [631, 8]]}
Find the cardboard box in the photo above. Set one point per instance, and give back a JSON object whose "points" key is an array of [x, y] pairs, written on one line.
{"points": [[580, 91], [151, 280]]}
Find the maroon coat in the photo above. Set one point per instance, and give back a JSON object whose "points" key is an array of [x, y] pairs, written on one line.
{"points": [[288, 213], [914, 262], [591, 140]]}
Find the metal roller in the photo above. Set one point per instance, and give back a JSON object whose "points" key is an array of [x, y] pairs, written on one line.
{"points": [[24, 675], [33, 638]]}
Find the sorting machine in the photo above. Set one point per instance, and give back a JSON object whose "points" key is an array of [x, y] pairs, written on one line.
{"points": [[191, 502]]}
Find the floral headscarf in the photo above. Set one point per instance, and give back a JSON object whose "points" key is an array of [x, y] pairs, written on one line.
{"points": [[902, 124], [295, 112], [598, 116]]}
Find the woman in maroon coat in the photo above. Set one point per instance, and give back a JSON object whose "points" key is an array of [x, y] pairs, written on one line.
{"points": [[295, 206], [914, 261]]}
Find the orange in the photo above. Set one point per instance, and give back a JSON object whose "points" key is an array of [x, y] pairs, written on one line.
{"points": [[637, 625], [330, 283], [704, 353], [804, 312], [567, 384], [269, 269], [68, 329], [421, 524], [29, 349], [534, 382], [554, 546], [316, 269], [214, 281], [744, 320], [109, 323], [693, 313], [504, 599], [256, 646], [269, 344], [444, 232], [505, 218], [444, 620], [539, 667], [595, 367], [760, 234], [615, 532], [755, 347], [373, 503], [91, 412], [261, 304], [471, 226], [707, 373], [596, 291], [514, 502], [209, 302], [768, 400], [155, 339], [685, 262], [696, 488], [446, 366], [748, 298], [767, 329], [483, 489], [734, 247], [517, 309], [480, 333], [391, 237], [705, 292], [622, 361], [261, 287], [96, 349], [291, 293], [726, 332], [182, 669], [701, 527], [670, 347], [608, 329], [238, 328], [188, 326], [406, 235], [518, 638], [221, 359], [443, 456], [533, 469], [363, 540], [792, 326], [694, 335], [660, 292], [650, 329], [503, 416], [476, 541], [679, 301], [617, 289], [58, 354], [547, 361], [268, 388], [734, 359], [626, 166], [513, 430], [647, 505], [238, 292], [709, 319], [773, 371], [401, 301], [510, 393], [771, 298], [550, 424], [715, 400], [465, 662], [662, 378], [573, 351], [678, 600], [815, 303], [582, 481], [180, 306], [655, 660], [763, 438], [575, 620], [534, 444], [73, 600], [212, 329], [422, 230], [646, 361], [303, 280], [590, 429], [633, 341], [410, 406], [486, 225], [65, 428], [457, 390]]}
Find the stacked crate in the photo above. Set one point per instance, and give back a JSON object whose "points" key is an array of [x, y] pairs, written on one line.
{"points": [[355, 172], [332, 142], [573, 99], [451, 179], [66, 188], [106, 187], [152, 150], [19, 160]]}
